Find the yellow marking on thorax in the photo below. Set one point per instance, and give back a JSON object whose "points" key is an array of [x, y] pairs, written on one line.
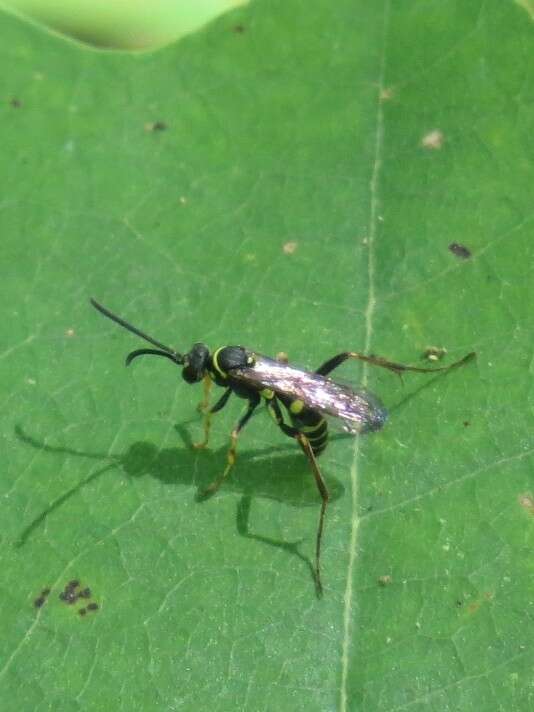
{"points": [[215, 362]]}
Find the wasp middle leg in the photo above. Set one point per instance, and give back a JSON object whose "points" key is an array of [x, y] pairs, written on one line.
{"points": [[253, 403]]}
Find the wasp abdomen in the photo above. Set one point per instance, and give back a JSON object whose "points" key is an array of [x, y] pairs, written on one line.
{"points": [[310, 423]]}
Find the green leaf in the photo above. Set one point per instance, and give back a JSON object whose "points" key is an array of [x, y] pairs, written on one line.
{"points": [[294, 186]]}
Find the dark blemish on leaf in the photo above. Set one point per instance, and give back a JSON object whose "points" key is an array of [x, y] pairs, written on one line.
{"points": [[15, 103], [68, 597], [82, 611], [527, 502], [39, 601], [460, 251], [86, 593], [459, 603], [92, 607], [434, 353], [466, 423], [45, 592], [239, 29], [385, 581], [152, 126]]}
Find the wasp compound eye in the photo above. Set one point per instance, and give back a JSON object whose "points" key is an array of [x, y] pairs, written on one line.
{"points": [[191, 375]]}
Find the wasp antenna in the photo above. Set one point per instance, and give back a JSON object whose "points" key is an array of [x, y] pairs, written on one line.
{"points": [[153, 352], [171, 353]]}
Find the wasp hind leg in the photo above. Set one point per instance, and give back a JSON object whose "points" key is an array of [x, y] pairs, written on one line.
{"points": [[307, 449], [398, 368], [232, 452]]}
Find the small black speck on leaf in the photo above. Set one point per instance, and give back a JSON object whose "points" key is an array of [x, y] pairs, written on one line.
{"points": [[460, 251], [92, 607], [68, 596], [152, 126]]}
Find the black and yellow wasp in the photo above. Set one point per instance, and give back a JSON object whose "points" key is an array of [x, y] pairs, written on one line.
{"points": [[303, 397]]}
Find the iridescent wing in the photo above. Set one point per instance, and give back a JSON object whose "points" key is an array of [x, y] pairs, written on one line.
{"points": [[360, 410]]}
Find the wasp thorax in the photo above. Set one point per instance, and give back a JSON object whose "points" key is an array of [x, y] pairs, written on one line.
{"points": [[196, 363]]}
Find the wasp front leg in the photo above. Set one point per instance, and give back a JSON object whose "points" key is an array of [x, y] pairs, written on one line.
{"points": [[202, 407], [209, 413]]}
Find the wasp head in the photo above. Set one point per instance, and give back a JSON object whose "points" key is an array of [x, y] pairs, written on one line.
{"points": [[196, 363]]}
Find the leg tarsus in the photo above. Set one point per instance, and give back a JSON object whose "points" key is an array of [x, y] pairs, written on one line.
{"points": [[214, 486]]}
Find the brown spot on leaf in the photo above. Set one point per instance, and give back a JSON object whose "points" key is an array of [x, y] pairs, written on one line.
{"points": [[433, 140], [473, 607], [526, 501]]}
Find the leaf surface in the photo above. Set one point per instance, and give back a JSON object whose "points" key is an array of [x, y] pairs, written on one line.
{"points": [[294, 186]]}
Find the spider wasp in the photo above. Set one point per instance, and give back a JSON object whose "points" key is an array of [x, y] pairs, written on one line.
{"points": [[304, 397]]}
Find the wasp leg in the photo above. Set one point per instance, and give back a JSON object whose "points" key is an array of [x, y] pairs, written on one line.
{"points": [[207, 418], [398, 368], [252, 405], [204, 403], [304, 443], [323, 491]]}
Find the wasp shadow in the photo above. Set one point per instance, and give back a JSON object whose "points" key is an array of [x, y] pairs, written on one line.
{"points": [[278, 472]]}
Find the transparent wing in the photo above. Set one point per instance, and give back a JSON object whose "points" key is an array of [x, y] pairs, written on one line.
{"points": [[359, 409]]}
